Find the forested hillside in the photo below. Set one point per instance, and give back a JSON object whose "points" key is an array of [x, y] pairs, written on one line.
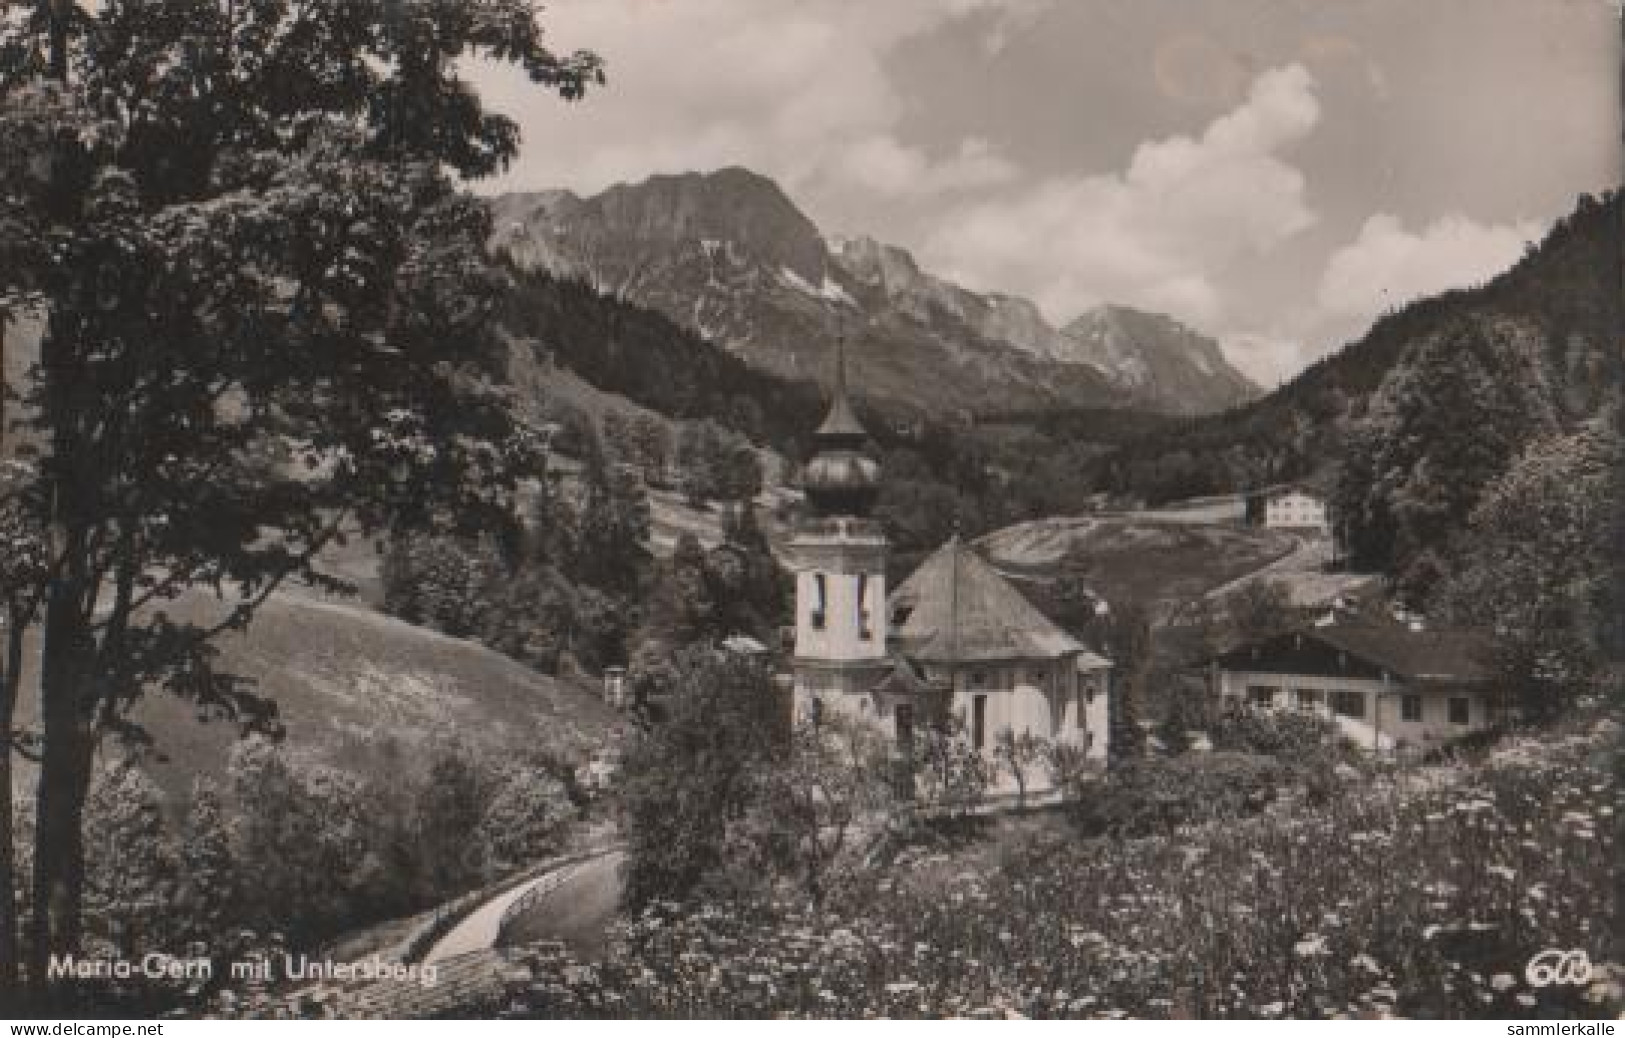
{"points": [[1565, 293], [940, 469]]}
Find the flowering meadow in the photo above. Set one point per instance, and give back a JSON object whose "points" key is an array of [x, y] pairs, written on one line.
{"points": [[1422, 893]]}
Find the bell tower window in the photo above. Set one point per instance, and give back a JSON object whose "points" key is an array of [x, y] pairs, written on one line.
{"points": [[820, 601], [863, 607]]}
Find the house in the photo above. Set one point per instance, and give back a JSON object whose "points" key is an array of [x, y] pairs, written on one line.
{"points": [[1389, 686], [1289, 508], [955, 639]]}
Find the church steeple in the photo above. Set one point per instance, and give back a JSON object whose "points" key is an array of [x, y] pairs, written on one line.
{"points": [[840, 480], [841, 427]]}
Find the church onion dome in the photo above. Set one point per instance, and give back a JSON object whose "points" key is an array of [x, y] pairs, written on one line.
{"points": [[839, 479]]}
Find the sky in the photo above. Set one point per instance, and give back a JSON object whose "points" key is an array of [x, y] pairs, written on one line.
{"points": [[1274, 173]]}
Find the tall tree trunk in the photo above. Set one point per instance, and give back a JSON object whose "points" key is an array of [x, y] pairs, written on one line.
{"points": [[59, 867], [8, 712], [65, 765], [9, 682], [60, 11]]}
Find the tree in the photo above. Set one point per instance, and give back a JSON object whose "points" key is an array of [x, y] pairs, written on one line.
{"points": [[208, 871], [132, 879], [810, 802], [651, 442], [751, 590], [688, 783], [240, 225], [1077, 604], [681, 609], [1019, 755], [22, 584], [1535, 565], [1445, 421], [1260, 608], [448, 817], [610, 528], [948, 772], [1126, 634], [1066, 764], [525, 821]]}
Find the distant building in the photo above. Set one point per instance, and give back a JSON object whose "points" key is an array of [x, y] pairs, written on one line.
{"points": [[955, 639], [1289, 508], [1387, 685]]}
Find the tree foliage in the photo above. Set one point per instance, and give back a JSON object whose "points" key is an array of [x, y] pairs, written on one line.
{"points": [[1536, 565], [241, 227], [1437, 431], [689, 783]]}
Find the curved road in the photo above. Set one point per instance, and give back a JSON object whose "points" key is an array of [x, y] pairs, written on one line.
{"points": [[578, 911], [584, 894]]}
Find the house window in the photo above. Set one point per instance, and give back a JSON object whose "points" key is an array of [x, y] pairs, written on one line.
{"points": [[978, 722], [1460, 710], [1261, 695], [863, 607], [1348, 702], [1308, 698], [820, 598], [1410, 707], [904, 715]]}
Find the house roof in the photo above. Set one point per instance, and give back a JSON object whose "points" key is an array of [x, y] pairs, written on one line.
{"points": [[1281, 490], [1430, 654], [961, 611], [1450, 655], [1088, 661]]}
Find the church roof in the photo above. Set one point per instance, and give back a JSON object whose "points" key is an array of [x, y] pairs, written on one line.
{"points": [[959, 610], [841, 423], [841, 426]]}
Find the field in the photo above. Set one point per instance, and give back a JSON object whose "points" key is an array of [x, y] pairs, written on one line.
{"points": [[1136, 558], [358, 690], [1424, 893]]}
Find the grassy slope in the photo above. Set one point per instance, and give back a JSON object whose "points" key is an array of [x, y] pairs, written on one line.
{"points": [[1136, 558], [363, 691]]}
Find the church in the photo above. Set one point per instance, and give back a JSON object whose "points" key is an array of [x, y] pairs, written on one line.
{"points": [[955, 639]]}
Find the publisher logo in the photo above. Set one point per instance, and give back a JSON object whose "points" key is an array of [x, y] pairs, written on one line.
{"points": [[1555, 966]]}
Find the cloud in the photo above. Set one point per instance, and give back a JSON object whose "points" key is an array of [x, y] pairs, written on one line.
{"points": [[801, 91], [879, 163], [1387, 266], [1161, 233]]}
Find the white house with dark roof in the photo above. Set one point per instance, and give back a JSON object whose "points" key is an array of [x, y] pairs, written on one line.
{"points": [[1387, 685], [1290, 508], [955, 639]]}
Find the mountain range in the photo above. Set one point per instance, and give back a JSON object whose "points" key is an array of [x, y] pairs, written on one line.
{"points": [[728, 255]]}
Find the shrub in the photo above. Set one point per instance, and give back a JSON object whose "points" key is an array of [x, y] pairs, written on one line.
{"points": [[1158, 795], [1288, 735]]}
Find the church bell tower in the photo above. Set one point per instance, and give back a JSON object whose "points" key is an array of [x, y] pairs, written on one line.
{"points": [[839, 557]]}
